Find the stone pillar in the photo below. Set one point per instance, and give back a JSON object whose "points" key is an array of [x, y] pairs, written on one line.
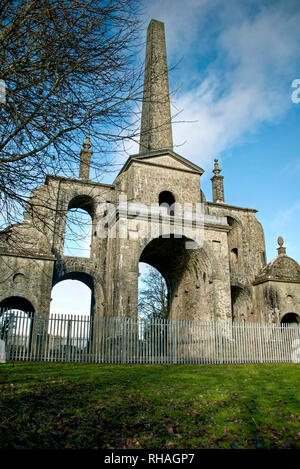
{"points": [[156, 128], [217, 184], [85, 159]]}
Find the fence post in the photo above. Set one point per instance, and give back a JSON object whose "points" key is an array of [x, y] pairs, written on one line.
{"points": [[220, 343], [123, 344], [68, 341], [174, 342], [259, 344]]}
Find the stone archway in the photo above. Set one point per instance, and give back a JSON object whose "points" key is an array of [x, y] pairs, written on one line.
{"points": [[78, 234], [16, 323], [290, 318], [18, 303], [83, 277], [83, 202], [82, 329], [241, 304], [188, 274]]}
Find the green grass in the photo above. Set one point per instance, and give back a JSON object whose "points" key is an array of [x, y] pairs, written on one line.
{"points": [[57, 405]]}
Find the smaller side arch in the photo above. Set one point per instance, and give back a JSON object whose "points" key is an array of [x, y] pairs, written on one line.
{"points": [[79, 226], [17, 328], [69, 227], [235, 239], [17, 302], [84, 202], [290, 318], [241, 303], [95, 284], [79, 275]]}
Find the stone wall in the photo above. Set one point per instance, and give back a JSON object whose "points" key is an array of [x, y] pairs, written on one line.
{"points": [[219, 281]]}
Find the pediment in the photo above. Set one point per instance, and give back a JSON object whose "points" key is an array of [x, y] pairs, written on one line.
{"points": [[164, 158]]}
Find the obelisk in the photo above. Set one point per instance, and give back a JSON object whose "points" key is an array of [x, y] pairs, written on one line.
{"points": [[156, 128]]}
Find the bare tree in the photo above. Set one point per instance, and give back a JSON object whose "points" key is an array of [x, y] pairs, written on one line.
{"points": [[153, 301], [67, 68]]}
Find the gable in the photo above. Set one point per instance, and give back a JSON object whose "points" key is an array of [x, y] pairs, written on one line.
{"points": [[165, 159]]}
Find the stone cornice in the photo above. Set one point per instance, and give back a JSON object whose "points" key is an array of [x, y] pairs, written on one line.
{"points": [[273, 279], [78, 181], [231, 207], [44, 257]]}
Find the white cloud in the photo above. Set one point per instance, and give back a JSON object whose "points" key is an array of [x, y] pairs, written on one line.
{"points": [[284, 217], [246, 82]]}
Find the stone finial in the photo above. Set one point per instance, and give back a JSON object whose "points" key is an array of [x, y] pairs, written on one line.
{"points": [[216, 169], [217, 184], [281, 250], [85, 158], [156, 128], [87, 144]]}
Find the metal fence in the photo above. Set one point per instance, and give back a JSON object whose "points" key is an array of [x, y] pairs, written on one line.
{"points": [[70, 338]]}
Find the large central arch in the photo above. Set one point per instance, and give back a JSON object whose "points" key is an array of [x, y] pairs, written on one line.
{"points": [[188, 274]]}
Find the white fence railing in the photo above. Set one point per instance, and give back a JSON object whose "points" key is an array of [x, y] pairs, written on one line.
{"points": [[70, 338]]}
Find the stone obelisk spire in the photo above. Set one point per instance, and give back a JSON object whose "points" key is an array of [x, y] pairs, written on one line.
{"points": [[156, 128]]}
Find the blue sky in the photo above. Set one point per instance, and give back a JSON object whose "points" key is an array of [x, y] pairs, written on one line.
{"points": [[232, 87], [238, 60]]}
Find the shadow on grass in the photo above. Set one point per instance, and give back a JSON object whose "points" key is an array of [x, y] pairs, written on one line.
{"points": [[56, 406]]}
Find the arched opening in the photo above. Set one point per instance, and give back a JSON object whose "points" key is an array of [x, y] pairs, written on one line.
{"points": [[71, 313], [152, 305], [79, 226], [234, 259], [234, 244], [16, 324], [240, 304], [290, 319], [187, 276], [71, 296], [190, 294], [153, 293], [166, 199], [17, 303]]}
